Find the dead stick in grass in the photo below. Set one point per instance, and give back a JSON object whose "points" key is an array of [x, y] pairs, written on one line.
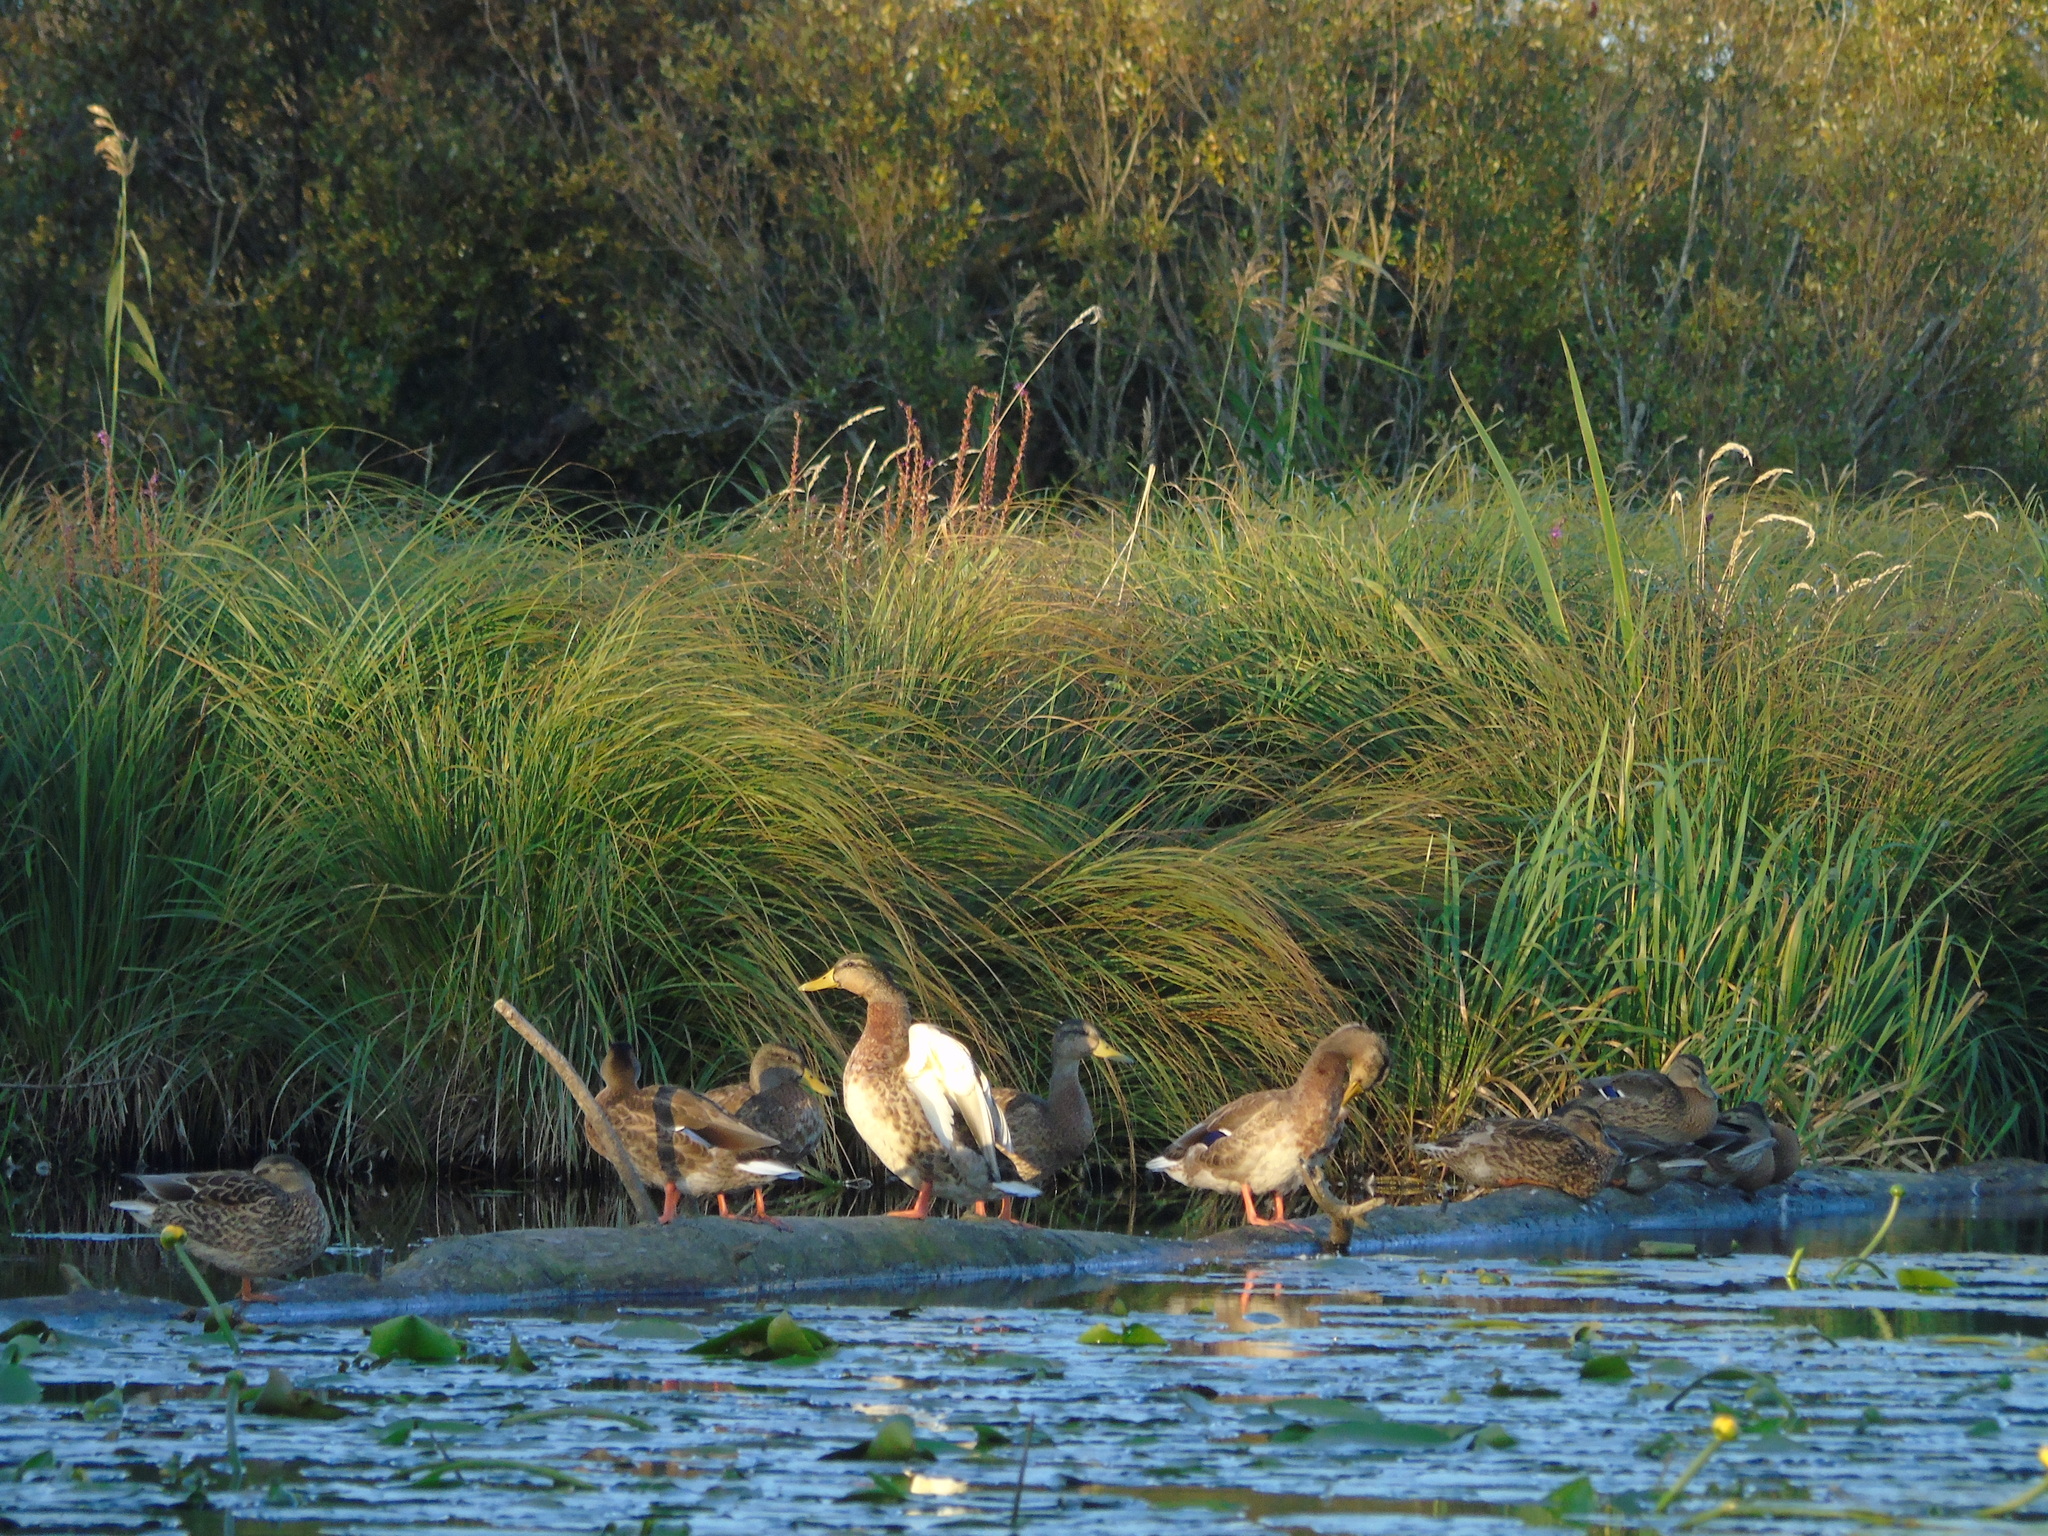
{"points": [[587, 1102]]}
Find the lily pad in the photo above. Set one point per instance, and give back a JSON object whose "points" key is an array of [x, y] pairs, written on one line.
{"points": [[1651, 1248], [894, 1439], [780, 1338], [413, 1338], [1606, 1368], [1130, 1336], [280, 1397], [889, 1488], [1924, 1280], [17, 1387], [654, 1328]]}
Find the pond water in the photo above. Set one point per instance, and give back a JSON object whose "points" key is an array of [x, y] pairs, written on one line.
{"points": [[1386, 1393]]}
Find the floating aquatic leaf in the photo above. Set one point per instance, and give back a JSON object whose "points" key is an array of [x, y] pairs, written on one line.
{"points": [[442, 1471], [987, 1437], [41, 1461], [1130, 1336], [33, 1330], [1651, 1248], [1494, 1437], [398, 1431], [895, 1439], [107, 1405], [779, 1338], [609, 1415], [281, 1398], [1573, 1498], [1008, 1360], [516, 1357], [413, 1338], [889, 1488], [1984, 1427], [1606, 1368], [17, 1387], [1503, 1388], [654, 1328], [1910, 1279]]}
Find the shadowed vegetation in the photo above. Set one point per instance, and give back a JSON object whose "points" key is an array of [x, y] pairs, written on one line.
{"points": [[301, 770]]}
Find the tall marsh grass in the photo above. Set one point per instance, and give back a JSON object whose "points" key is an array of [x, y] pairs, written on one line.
{"points": [[301, 770]]}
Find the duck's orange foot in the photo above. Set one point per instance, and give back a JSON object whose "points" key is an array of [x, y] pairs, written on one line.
{"points": [[920, 1208]]}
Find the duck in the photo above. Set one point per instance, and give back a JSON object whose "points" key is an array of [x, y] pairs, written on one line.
{"points": [[1676, 1105], [918, 1100], [1740, 1149], [1568, 1151], [1049, 1134], [1259, 1144], [779, 1098], [679, 1140], [1645, 1163], [263, 1223], [1786, 1156]]}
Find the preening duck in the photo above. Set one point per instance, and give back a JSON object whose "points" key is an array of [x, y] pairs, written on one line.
{"points": [[918, 1100], [679, 1140], [1259, 1144], [1051, 1133], [269, 1221]]}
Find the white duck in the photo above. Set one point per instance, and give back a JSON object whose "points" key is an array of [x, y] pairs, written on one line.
{"points": [[918, 1100]]}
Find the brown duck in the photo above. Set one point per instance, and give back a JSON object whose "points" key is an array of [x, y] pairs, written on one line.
{"points": [[1740, 1149], [679, 1140], [269, 1221], [1569, 1151], [919, 1101], [1676, 1105], [1259, 1144], [779, 1099], [1049, 1134]]}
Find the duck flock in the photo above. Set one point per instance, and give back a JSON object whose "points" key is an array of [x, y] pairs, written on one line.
{"points": [[915, 1095]]}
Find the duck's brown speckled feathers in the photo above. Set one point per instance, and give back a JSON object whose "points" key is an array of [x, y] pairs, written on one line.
{"points": [[1740, 1149], [1259, 1144], [1675, 1105], [261, 1224], [779, 1099], [1568, 1151], [680, 1140]]}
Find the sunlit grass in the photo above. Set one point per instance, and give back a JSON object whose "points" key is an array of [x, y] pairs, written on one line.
{"points": [[302, 771]]}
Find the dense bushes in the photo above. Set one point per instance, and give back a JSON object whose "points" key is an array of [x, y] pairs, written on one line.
{"points": [[644, 235]]}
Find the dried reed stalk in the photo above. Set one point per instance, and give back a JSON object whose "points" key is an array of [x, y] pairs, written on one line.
{"points": [[587, 1102]]}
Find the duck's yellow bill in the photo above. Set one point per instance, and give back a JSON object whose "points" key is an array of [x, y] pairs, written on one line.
{"points": [[1106, 1052], [817, 1084], [821, 984]]}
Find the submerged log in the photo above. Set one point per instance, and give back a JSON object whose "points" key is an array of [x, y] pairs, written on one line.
{"points": [[699, 1258]]}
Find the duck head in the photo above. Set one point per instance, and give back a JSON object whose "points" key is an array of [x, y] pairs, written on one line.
{"points": [[1077, 1040], [856, 974], [1688, 1071], [776, 1064], [287, 1173], [1584, 1122], [621, 1067], [1363, 1052]]}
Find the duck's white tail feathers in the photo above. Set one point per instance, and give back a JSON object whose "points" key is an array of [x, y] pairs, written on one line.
{"points": [[1012, 1187], [141, 1210], [762, 1168], [1431, 1149], [1160, 1164], [1669, 1163]]}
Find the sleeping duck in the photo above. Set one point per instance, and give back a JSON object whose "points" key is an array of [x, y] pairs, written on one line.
{"points": [[1048, 1134], [919, 1101], [269, 1221], [1569, 1151], [1258, 1144], [680, 1140]]}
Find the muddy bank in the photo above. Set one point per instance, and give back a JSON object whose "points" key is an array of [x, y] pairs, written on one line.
{"points": [[700, 1258]]}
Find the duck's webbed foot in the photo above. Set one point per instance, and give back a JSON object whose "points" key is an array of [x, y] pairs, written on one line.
{"points": [[919, 1208]]}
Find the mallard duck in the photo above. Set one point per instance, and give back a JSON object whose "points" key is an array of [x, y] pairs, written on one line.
{"points": [[268, 1221], [918, 1100], [1048, 1134], [1644, 1164], [1676, 1105], [779, 1099], [1258, 1144], [1741, 1149], [1787, 1157], [680, 1140], [1568, 1151]]}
